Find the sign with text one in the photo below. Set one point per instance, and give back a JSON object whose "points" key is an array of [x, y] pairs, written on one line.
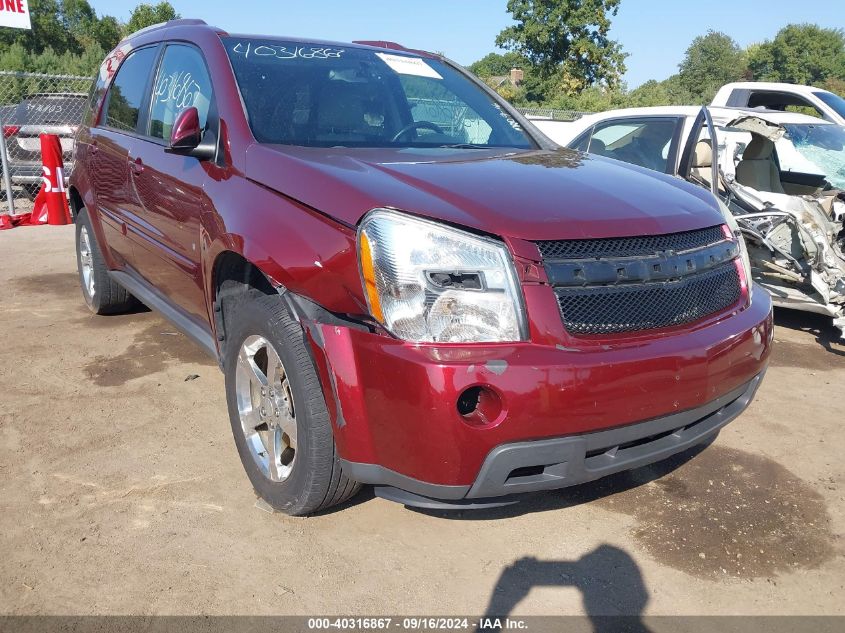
{"points": [[14, 14]]}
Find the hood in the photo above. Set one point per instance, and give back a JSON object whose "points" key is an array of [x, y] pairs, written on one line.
{"points": [[767, 129], [533, 195]]}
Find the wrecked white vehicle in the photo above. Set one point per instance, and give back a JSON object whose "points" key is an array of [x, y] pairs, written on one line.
{"points": [[781, 174], [784, 185]]}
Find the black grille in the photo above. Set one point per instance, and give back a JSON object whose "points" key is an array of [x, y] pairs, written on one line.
{"points": [[647, 306], [630, 246]]}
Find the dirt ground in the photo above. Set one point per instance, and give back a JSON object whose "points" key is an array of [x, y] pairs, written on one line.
{"points": [[121, 493]]}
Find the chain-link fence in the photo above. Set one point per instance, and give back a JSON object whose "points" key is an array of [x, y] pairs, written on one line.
{"points": [[30, 105], [552, 114]]}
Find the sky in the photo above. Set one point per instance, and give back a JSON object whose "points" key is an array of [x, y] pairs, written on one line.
{"points": [[655, 33]]}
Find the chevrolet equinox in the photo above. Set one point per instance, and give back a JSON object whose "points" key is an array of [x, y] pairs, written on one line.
{"points": [[403, 281]]}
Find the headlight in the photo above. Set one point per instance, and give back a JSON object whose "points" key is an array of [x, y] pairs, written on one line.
{"points": [[733, 225], [425, 281]]}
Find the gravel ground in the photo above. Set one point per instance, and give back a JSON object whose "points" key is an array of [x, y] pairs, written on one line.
{"points": [[121, 493]]}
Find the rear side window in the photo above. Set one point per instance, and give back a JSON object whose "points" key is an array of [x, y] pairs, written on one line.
{"points": [[182, 82], [127, 92]]}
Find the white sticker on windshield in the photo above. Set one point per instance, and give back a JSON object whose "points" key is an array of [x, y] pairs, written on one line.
{"points": [[409, 65]]}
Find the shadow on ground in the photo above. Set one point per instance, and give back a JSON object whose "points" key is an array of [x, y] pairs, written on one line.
{"points": [[610, 582], [714, 514], [818, 325]]}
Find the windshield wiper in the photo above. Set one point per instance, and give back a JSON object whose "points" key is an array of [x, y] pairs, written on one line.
{"points": [[465, 146]]}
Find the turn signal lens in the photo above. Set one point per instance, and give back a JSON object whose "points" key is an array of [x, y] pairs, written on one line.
{"points": [[369, 274]]}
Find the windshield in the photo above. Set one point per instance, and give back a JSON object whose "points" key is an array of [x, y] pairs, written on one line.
{"points": [[823, 146], [325, 96], [834, 101]]}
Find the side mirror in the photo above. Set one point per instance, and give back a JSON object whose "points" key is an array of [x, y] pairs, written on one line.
{"points": [[186, 137], [186, 133]]}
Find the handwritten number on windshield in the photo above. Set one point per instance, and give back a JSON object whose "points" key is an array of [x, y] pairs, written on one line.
{"points": [[287, 52]]}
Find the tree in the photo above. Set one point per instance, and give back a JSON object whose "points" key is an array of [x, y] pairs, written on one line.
{"points": [[711, 61], [106, 32], [63, 26], [592, 99], [81, 21], [651, 93], [800, 53], [68, 37], [835, 85], [47, 30], [567, 41], [494, 64], [146, 15]]}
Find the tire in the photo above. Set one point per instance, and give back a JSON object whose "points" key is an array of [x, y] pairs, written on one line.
{"points": [[278, 414], [102, 294]]}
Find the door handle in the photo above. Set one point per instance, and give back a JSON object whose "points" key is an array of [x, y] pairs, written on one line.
{"points": [[136, 166]]}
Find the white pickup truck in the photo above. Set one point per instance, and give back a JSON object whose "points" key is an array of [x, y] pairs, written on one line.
{"points": [[773, 96]]}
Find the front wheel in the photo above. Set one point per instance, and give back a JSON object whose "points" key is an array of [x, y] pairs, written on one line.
{"points": [[278, 414]]}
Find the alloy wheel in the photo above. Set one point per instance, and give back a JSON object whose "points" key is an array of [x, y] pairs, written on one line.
{"points": [[266, 408], [86, 261]]}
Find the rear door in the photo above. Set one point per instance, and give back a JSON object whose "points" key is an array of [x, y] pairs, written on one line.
{"points": [[110, 143], [169, 187]]}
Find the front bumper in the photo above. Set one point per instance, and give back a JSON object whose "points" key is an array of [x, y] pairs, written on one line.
{"points": [[569, 414], [567, 461]]}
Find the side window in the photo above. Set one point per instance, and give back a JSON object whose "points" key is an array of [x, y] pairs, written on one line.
{"points": [[643, 142], [784, 101], [809, 110], [127, 90], [582, 143], [182, 82]]}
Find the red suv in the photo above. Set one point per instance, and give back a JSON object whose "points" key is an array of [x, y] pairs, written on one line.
{"points": [[404, 282]]}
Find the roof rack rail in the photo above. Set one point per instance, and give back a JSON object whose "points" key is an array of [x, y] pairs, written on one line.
{"points": [[161, 25], [393, 46], [381, 44]]}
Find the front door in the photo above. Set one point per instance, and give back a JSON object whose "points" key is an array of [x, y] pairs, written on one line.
{"points": [[169, 187], [690, 166]]}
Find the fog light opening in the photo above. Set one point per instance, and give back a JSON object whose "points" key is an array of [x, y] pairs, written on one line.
{"points": [[479, 406]]}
